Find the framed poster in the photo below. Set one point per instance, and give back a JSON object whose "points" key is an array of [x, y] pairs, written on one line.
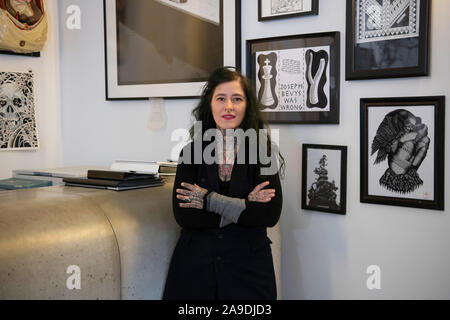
{"points": [[275, 9], [387, 38], [402, 151], [168, 48], [297, 77], [324, 178]]}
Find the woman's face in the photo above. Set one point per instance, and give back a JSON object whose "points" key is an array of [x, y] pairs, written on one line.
{"points": [[228, 105]]}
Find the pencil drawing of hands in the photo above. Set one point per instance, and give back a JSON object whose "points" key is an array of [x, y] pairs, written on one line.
{"points": [[403, 139]]}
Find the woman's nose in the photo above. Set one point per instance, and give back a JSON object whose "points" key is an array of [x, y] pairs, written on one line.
{"points": [[229, 104]]}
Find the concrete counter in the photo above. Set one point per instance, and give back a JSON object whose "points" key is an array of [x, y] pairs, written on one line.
{"points": [[122, 242]]}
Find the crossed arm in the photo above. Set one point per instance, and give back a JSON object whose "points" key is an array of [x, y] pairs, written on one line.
{"points": [[261, 207]]}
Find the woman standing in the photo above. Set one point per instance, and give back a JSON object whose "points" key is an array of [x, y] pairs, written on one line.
{"points": [[224, 208]]}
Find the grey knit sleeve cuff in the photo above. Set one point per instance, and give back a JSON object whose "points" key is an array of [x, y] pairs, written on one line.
{"points": [[229, 208]]}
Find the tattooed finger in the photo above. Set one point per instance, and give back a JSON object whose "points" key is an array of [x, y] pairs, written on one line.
{"points": [[183, 191], [187, 185]]}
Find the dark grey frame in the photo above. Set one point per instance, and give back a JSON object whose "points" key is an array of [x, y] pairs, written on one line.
{"points": [[421, 69], [343, 185], [439, 146], [300, 41]]}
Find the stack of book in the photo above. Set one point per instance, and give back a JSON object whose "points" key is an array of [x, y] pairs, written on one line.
{"points": [[167, 168], [115, 180]]}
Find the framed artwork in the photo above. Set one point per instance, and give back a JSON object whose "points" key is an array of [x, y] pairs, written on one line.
{"points": [[324, 178], [297, 78], [275, 9], [387, 38], [168, 48], [402, 151], [18, 128]]}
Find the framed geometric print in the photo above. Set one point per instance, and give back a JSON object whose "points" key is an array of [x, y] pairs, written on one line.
{"points": [[387, 38]]}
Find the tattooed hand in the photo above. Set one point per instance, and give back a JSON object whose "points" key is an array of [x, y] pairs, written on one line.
{"points": [[259, 195], [192, 195]]}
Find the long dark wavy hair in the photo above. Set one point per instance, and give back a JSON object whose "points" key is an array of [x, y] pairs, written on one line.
{"points": [[253, 118]]}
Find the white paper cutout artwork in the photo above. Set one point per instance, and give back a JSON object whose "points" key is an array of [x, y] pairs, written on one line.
{"points": [[294, 79], [379, 20], [17, 111]]}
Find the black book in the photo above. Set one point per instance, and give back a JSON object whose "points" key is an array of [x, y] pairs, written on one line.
{"points": [[113, 183], [119, 175]]}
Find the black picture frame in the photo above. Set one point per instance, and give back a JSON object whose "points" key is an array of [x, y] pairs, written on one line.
{"points": [[401, 154], [402, 50], [168, 81], [291, 88], [316, 176], [263, 16]]}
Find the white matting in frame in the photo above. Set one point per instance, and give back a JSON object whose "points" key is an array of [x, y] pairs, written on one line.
{"points": [[379, 20], [296, 87], [333, 166], [426, 169]]}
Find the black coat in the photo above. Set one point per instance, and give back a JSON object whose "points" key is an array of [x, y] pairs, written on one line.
{"points": [[234, 262]]}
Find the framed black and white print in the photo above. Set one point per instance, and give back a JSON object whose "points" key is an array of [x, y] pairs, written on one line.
{"points": [[324, 178], [297, 78], [275, 9], [168, 48], [402, 151], [387, 38]]}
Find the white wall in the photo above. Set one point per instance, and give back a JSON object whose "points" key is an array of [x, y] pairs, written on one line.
{"points": [[96, 131], [47, 102], [324, 256]]}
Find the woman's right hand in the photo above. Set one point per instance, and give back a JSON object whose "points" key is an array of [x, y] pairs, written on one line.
{"points": [[261, 195]]}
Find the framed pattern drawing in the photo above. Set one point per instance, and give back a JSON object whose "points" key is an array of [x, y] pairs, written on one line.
{"points": [[275, 9], [296, 77], [324, 178], [402, 151], [168, 48], [387, 38]]}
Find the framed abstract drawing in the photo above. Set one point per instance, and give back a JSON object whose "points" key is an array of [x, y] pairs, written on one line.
{"points": [[275, 9], [324, 178], [297, 78], [387, 38], [168, 48], [402, 151]]}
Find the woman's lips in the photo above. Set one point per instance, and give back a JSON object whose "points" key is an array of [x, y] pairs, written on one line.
{"points": [[228, 117]]}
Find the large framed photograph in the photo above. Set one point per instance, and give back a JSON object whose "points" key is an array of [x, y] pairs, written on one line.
{"points": [[387, 38], [402, 151], [324, 178], [297, 78], [168, 48], [275, 9]]}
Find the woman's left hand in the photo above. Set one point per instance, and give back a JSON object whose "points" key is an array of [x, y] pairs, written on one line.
{"points": [[192, 195]]}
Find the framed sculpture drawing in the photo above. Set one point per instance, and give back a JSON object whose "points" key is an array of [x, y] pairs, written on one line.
{"points": [[387, 38], [297, 78], [275, 9], [168, 48], [402, 151], [324, 178]]}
